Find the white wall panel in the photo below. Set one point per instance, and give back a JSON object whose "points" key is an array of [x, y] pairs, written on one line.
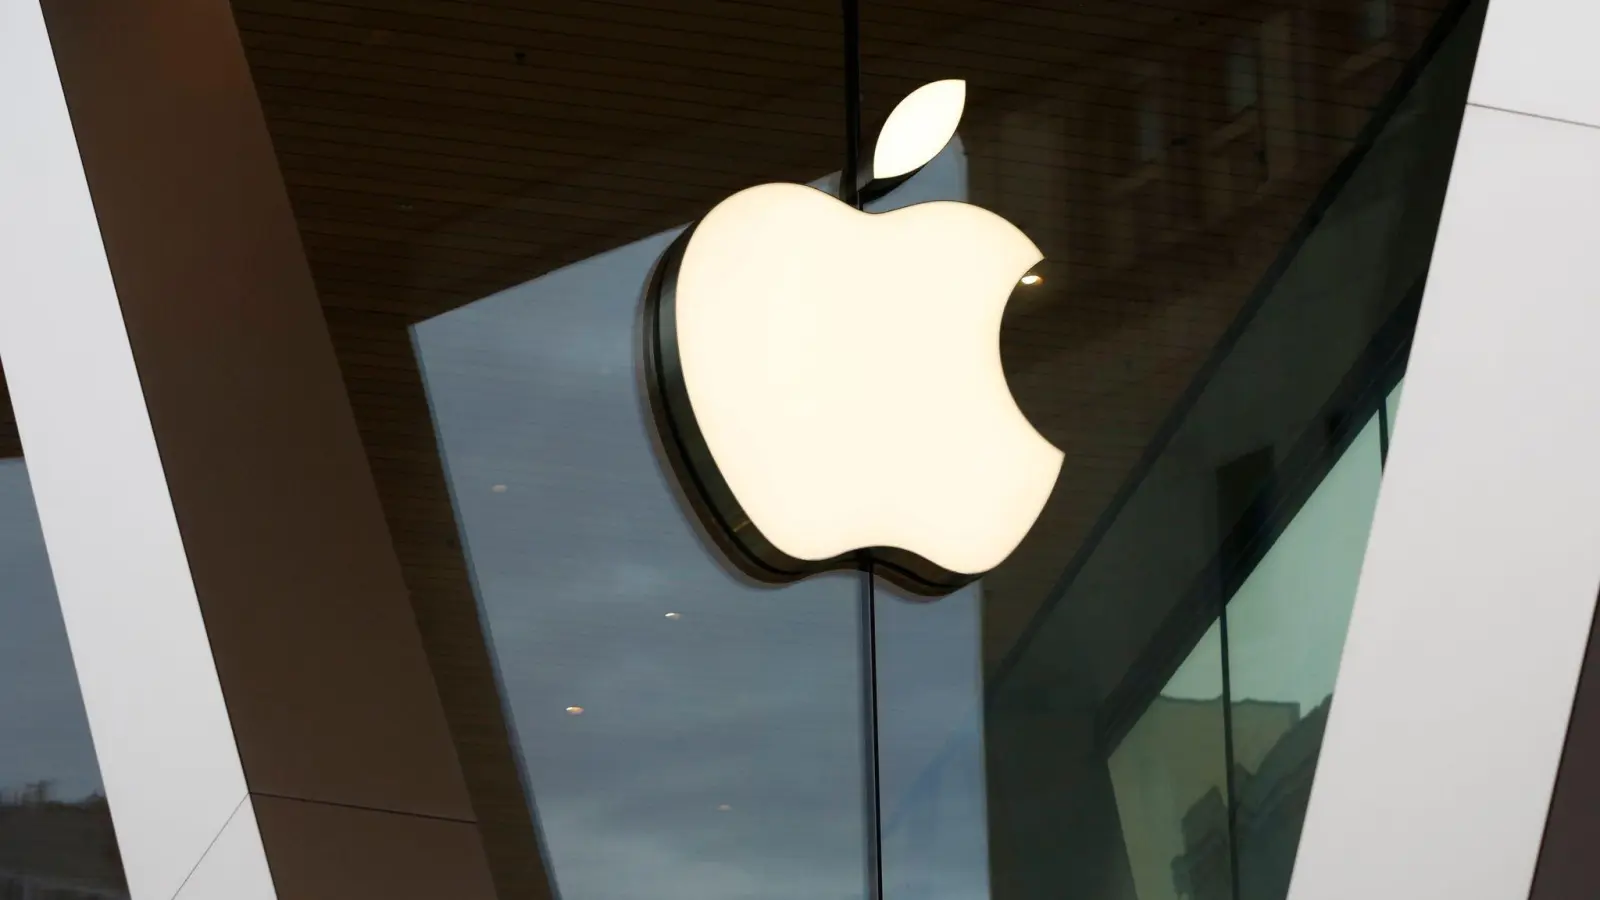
{"points": [[1538, 56], [1480, 578], [234, 866]]}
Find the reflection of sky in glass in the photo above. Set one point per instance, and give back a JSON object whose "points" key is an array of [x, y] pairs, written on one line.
{"points": [[44, 735], [1286, 629], [1287, 622], [718, 751]]}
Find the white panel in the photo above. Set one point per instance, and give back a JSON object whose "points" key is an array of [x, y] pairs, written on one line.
{"points": [[161, 731], [235, 866], [1480, 577], [1538, 57]]}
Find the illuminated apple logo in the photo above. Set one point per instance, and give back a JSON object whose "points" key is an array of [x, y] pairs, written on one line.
{"points": [[826, 382]]}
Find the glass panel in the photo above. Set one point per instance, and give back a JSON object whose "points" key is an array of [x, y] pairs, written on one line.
{"points": [[1236, 213], [483, 191], [930, 746], [55, 828], [1286, 628], [685, 733], [1209, 315], [1170, 777]]}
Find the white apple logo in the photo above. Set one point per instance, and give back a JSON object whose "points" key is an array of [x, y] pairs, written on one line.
{"points": [[827, 381]]}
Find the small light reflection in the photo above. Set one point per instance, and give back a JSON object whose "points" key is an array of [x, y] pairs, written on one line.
{"points": [[498, 489], [723, 807], [673, 616], [574, 710], [1031, 279]]}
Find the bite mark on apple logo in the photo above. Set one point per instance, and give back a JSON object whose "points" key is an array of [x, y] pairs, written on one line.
{"points": [[826, 382]]}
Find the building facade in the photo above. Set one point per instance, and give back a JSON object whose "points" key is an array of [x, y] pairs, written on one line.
{"points": [[345, 551]]}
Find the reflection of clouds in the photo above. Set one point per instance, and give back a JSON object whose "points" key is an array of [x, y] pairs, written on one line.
{"points": [[749, 700], [44, 735], [931, 749]]}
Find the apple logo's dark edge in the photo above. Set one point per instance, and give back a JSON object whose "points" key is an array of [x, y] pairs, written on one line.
{"points": [[708, 496], [664, 385]]}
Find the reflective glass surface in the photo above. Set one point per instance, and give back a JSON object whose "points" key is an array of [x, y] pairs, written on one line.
{"points": [[55, 828], [930, 747], [685, 734], [1286, 628], [1169, 778], [1236, 207], [1236, 204]]}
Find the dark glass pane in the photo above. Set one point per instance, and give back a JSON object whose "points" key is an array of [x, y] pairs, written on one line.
{"points": [[930, 746], [1237, 209], [55, 828]]}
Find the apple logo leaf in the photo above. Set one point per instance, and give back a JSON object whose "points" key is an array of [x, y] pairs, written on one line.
{"points": [[918, 128]]}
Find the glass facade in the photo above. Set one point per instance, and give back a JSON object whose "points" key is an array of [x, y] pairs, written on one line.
{"points": [[1237, 204], [661, 703], [1193, 640], [56, 840], [1237, 212]]}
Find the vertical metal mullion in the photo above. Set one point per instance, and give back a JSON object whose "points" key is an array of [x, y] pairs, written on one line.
{"points": [[849, 175], [872, 799], [1228, 749], [849, 192]]}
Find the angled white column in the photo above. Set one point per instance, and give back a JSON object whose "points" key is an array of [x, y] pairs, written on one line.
{"points": [[1476, 599], [149, 682], [264, 716]]}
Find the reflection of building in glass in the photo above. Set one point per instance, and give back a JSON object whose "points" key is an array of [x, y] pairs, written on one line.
{"points": [[1167, 552], [57, 850], [1205, 872], [1171, 762], [1272, 797]]}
